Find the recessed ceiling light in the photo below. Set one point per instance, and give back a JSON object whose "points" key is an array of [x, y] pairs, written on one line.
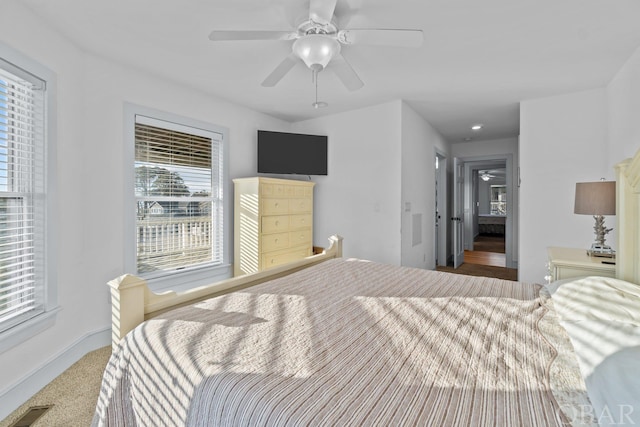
{"points": [[476, 127]]}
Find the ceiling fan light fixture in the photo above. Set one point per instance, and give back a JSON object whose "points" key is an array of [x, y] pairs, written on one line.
{"points": [[316, 50]]}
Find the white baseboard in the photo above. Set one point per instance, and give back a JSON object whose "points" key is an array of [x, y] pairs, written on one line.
{"points": [[21, 391]]}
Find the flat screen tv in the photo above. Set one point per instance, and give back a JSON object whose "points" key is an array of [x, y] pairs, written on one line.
{"points": [[291, 153]]}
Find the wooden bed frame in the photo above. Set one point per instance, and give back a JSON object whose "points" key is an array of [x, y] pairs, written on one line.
{"points": [[628, 219], [132, 302]]}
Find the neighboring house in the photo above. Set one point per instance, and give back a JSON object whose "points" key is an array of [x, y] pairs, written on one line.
{"points": [[155, 209], [381, 174]]}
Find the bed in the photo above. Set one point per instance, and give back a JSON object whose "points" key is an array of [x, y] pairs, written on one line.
{"points": [[334, 341], [491, 224]]}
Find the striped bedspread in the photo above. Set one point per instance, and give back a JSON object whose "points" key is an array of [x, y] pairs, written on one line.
{"points": [[350, 342]]}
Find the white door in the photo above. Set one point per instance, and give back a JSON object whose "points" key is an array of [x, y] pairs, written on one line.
{"points": [[437, 239], [441, 243], [457, 222]]}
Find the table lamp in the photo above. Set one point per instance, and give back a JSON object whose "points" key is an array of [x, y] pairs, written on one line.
{"points": [[597, 199]]}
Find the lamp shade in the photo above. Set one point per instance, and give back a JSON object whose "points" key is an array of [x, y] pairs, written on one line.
{"points": [[316, 49], [595, 198]]}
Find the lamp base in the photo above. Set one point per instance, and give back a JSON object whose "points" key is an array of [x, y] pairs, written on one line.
{"points": [[603, 251]]}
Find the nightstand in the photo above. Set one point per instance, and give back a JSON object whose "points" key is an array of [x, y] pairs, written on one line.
{"points": [[565, 263]]}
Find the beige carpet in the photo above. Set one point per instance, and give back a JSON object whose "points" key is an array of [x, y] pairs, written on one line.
{"points": [[74, 394]]}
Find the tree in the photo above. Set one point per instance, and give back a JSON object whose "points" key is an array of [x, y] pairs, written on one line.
{"points": [[154, 181], [157, 181]]}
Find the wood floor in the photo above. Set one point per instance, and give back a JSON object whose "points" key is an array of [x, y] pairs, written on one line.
{"points": [[488, 259], [488, 250], [485, 258]]}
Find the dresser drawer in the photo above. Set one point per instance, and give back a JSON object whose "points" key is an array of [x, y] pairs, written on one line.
{"points": [[272, 242], [302, 192], [562, 272], [272, 260], [276, 223], [300, 221], [278, 190], [275, 206], [300, 205], [273, 190], [302, 237]]}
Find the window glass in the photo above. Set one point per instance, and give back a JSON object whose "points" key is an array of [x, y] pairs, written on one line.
{"points": [[22, 198], [179, 198], [498, 200]]}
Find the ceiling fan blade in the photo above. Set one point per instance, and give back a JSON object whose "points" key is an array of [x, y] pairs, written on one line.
{"points": [[321, 11], [218, 36], [280, 71], [345, 73], [382, 37]]}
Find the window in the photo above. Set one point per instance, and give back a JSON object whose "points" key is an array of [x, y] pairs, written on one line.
{"points": [[26, 291], [498, 200], [180, 205]]}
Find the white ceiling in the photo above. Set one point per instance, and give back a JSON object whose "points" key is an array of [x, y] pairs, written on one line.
{"points": [[478, 60]]}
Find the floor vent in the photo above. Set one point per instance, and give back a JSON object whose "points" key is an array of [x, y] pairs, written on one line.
{"points": [[31, 416]]}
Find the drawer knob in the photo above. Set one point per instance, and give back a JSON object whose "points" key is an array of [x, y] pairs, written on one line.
{"points": [[276, 240], [277, 222]]}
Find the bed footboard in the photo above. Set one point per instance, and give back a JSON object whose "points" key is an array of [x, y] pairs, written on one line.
{"points": [[132, 301]]}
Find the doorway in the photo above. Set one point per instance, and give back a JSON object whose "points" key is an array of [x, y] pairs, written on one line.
{"points": [[487, 235], [488, 211]]}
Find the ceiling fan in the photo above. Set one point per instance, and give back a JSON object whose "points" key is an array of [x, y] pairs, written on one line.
{"points": [[486, 175], [317, 41]]}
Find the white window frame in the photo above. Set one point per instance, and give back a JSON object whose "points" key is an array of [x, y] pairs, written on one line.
{"points": [[190, 276], [47, 286]]}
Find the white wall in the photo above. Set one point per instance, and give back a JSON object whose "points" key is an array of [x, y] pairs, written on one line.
{"points": [[91, 94], [419, 143], [562, 141], [487, 148], [381, 158], [360, 197], [568, 139], [623, 102]]}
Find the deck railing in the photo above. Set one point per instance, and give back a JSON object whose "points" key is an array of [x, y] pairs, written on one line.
{"points": [[171, 242]]}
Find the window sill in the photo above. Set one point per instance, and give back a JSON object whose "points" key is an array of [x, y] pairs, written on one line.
{"points": [[185, 280], [27, 329]]}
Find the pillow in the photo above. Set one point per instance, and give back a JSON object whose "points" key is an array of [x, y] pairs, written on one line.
{"points": [[602, 318], [596, 298], [614, 388]]}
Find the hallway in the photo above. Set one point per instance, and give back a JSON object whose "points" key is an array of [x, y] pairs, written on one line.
{"points": [[488, 249]]}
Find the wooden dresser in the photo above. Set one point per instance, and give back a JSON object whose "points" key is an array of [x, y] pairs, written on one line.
{"points": [[273, 223]]}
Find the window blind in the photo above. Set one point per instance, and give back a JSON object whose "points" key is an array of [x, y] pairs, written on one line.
{"points": [[178, 190], [22, 153]]}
